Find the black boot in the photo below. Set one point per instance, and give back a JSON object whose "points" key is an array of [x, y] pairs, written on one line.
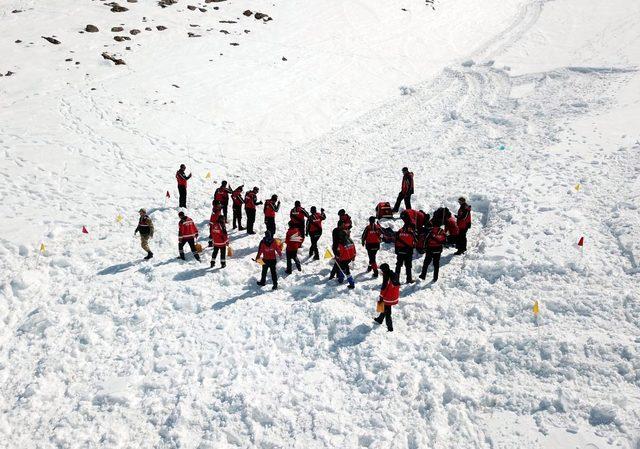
{"points": [[223, 264], [197, 256], [261, 283], [181, 256], [275, 287], [149, 255], [213, 263]]}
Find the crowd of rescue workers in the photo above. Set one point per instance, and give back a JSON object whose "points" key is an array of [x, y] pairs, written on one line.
{"points": [[420, 231]]}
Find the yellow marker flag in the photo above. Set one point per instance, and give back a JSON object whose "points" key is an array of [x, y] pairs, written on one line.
{"points": [[229, 251], [208, 176], [327, 254], [260, 262], [119, 218], [578, 186], [42, 248], [536, 308]]}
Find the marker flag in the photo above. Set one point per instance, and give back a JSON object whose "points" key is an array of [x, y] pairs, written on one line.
{"points": [[84, 230], [536, 308], [577, 187], [42, 248], [581, 241], [208, 175], [119, 218], [168, 195], [327, 254]]}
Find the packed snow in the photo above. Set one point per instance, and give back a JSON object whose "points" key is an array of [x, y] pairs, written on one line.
{"points": [[529, 108]]}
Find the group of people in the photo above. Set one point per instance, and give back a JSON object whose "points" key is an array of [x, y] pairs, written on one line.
{"points": [[420, 231]]}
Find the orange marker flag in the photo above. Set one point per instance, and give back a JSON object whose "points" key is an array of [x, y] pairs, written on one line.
{"points": [[581, 241], [84, 230]]}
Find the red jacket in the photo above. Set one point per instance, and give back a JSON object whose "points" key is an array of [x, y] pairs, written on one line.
{"points": [[294, 239], [250, 200], [187, 229], [390, 293], [268, 251], [372, 234], [464, 217], [314, 224], [451, 226], [218, 234], [435, 239], [222, 194], [346, 251], [405, 240], [270, 209], [345, 219], [236, 197], [412, 215], [181, 178], [297, 215], [421, 219], [407, 183]]}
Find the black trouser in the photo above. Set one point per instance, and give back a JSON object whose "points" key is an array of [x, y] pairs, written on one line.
{"points": [[462, 241], [313, 251], [269, 265], [386, 316], [406, 260], [270, 222], [225, 208], [223, 254], [372, 250], [192, 245], [407, 201], [428, 257], [237, 217], [182, 192], [292, 256], [251, 219], [452, 240]]}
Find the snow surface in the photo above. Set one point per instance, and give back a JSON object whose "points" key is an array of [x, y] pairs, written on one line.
{"points": [[529, 108]]}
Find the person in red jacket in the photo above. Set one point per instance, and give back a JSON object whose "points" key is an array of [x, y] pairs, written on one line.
{"points": [[298, 215], [371, 238], [271, 207], [220, 239], [404, 245], [216, 212], [433, 250], [451, 228], [293, 239], [250, 203], [422, 219], [464, 223], [314, 230], [345, 219], [187, 233], [389, 294], [344, 252], [267, 251], [410, 216], [237, 202], [406, 190], [222, 194], [182, 179]]}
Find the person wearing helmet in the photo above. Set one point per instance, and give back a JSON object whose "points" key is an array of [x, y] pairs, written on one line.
{"points": [[145, 228], [250, 203]]}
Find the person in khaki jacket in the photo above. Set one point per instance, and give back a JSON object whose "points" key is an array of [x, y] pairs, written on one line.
{"points": [[145, 228]]}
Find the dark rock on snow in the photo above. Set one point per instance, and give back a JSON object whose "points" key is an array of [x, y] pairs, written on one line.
{"points": [[91, 29]]}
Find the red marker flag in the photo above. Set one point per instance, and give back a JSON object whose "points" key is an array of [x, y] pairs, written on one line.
{"points": [[168, 195], [581, 241], [84, 230]]}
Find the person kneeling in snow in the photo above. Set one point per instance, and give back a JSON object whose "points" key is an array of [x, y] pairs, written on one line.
{"points": [[389, 295], [293, 239], [220, 239], [187, 233], [267, 252]]}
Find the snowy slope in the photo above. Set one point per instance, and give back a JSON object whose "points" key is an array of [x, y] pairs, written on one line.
{"points": [[512, 105]]}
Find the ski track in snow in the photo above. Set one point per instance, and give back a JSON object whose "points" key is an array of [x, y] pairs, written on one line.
{"points": [[98, 351]]}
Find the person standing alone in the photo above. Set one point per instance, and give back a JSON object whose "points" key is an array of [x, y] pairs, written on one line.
{"points": [[182, 179], [187, 233], [250, 203], [145, 228], [389, 295], [464, 223], [406, 191]]}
